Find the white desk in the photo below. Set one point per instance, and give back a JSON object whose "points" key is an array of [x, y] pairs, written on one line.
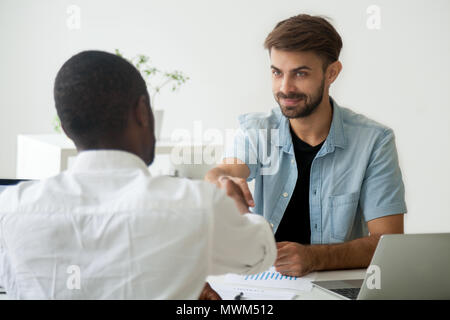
{"points": [[316, 293]]}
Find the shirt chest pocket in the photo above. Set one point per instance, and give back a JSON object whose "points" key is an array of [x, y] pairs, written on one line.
{"points": [[342, 209]]}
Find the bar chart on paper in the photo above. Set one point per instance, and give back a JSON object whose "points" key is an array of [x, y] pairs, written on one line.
{"points": [[271, 279]]}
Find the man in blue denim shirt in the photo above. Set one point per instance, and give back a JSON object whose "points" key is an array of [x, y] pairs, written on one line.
{"points": [[356, 192]]}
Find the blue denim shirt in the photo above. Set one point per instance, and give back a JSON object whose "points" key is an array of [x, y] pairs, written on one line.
{"points": [[355, 177]]}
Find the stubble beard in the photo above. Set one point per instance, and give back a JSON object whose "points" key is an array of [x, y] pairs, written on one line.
{"points": [[298, 111]]}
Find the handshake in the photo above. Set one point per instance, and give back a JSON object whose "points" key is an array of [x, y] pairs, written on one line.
{"points": [[233, 181], [237, 189]]}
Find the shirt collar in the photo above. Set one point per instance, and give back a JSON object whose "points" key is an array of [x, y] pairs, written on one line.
{"points": [[98, 160], [336, 136]]}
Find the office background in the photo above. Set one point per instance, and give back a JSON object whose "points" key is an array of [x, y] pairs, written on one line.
{"points": [[397, 74]]}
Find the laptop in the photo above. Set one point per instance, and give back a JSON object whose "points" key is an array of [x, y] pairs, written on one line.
{"points": [[5, 183], [404, 266]]}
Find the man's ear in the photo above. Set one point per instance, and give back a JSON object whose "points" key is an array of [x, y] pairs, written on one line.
{"points": [[142, 112], [65, 131], [332, 72]]}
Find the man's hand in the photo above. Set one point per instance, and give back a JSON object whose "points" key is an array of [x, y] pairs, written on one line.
{"points": [[293, 259], [237, 189], [208, 293]]}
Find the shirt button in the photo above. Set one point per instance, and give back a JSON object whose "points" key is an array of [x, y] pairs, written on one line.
{"points": [[271, 225], [315, 192], [285, 194], [292, 161]]}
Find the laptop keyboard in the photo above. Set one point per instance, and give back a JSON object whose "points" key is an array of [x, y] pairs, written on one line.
{"points": [[351, 293]]}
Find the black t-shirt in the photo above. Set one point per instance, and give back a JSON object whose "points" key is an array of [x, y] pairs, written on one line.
{"points": [[295, 224]]}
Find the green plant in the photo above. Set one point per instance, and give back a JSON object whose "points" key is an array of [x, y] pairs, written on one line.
{"points": [[155, 78], [57, 124]]}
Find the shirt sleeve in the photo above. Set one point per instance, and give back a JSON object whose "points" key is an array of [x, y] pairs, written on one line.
{"points": [[244, 147], [242, 244], [382, 190]]}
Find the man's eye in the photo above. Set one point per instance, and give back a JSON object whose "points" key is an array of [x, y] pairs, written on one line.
{"points": [[300, 74], [276, 73]]}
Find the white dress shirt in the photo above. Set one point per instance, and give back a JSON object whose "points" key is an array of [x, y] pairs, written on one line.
{"points": [[106, 229]]}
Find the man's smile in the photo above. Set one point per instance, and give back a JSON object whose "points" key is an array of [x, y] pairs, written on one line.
{"points": [[290, 102]]}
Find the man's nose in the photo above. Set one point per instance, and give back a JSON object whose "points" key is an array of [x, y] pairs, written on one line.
{"points": [[287, 85]]}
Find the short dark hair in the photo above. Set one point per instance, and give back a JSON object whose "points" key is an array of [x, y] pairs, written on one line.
{"points": [[93, 92], [306, 33]]}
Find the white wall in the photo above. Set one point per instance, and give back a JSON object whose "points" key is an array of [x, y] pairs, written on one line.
{"points": [[398, 75]]}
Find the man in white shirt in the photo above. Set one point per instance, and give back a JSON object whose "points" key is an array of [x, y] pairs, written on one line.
{"points": [[105, 229]]}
